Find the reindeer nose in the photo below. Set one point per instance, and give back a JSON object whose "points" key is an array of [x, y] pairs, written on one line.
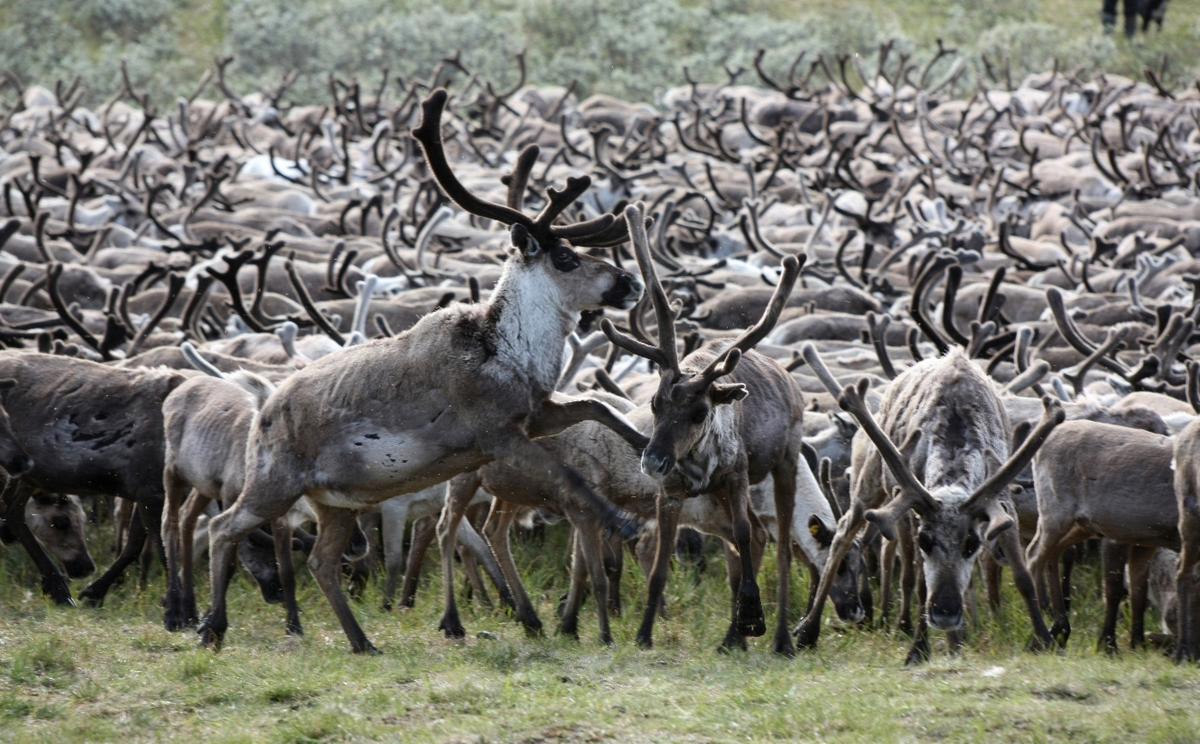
{"points": [[656, 465], [79, 567], [625, 292], [946, 617]]}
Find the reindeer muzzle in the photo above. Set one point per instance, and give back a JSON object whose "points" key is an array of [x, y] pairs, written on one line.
{"points": [[625, 292], [656, 465]]}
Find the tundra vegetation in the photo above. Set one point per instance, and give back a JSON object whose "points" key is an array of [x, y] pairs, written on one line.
{"points": [[897, 325]]}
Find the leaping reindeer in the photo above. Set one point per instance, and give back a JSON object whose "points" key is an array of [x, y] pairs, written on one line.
{"points": [[464, 386]]}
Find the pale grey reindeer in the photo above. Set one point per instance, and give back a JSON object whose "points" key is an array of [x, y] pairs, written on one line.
{"points": [[464, 386], [951, 468]]}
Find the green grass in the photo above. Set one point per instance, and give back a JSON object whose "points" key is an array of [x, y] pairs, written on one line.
{"points": [[116, 674]]}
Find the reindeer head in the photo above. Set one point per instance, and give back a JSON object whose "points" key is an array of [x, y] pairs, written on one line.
{"points": [[58, 522], [948, 518], [539, 249], [688, 403], [12, 458]]}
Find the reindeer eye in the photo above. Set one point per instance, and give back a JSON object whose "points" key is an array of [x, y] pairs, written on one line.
{"points": [[700, 415], [60, 523], [971, 545], [925, 540], [564, 259]]}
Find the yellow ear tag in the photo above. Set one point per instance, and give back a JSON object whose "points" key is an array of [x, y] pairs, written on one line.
{"points": [[814, 529]]}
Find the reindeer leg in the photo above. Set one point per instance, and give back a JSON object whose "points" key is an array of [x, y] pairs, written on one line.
{"points": [[1139, 576], [1187, 643], [614, 562], [471, 540], [282, 534], [423, 532], [590, 547], [568, 624], [264, 498], [54, 584], [991, 568], [751, 620], [733, 567], [495, 531], [394, 518], [887, 567], [176, 490], [666, 508], [1113, 559], [908, 576], [471, 569], [192, 509], [459, 492], [919, 652], [94, 592], [785, 505], [336, 527], [1010, 543]]}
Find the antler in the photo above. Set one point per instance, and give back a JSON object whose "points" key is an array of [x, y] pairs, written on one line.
{"points": [[665, 355], [727, 360], [602, 231], [912, 493]]}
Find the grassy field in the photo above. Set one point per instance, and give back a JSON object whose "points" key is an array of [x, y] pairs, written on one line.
{"points": [[116, 674]]}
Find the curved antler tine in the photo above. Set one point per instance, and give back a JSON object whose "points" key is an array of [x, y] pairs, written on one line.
{"points": [[662, 308], [632, 345], [1075, 375], [1193, 385], [1028, 378], [306, 301], [1052, 416], [1021, 352], [980, 333], [750, 337], [519, 178], [825, 478], [949, 294], [614, 234], [916, 305], [429, 135], [560, 200], [1066, 326], [810, 354], [175, 283], [586, 229], [914, 492], [877, 329]]}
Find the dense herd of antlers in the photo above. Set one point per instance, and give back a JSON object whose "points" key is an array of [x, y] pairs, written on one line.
{"points": [[849, 230]]}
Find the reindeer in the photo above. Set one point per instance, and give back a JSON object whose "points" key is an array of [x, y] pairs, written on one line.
{"points": [[465, 385], [953, 430], [56, 522], [718, 437]]}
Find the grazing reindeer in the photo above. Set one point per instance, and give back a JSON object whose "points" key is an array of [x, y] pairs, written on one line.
{"points": [[466, 385], [57, 522], [953, 430], [1187, 495], [719, 437]]}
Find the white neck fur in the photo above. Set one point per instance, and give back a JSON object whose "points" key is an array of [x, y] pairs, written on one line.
{"points": [[533, 325]]}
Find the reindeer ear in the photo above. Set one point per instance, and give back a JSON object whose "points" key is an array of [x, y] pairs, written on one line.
{"points": [[523, 242], [725, 393], [817, 529], [885, 517]]}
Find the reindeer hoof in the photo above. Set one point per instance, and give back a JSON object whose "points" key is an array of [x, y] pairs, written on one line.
{"points": [[210, 637], [294, 629], [918, 654], [92, 597], [366, 648], [733, 641], [570, 631], [452, 628], [782, 645], [807, 633], [645, 641]]}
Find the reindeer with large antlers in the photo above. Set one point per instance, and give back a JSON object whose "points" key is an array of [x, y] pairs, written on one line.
{"points": [[724, 418], [466, 385], [951, 468]]}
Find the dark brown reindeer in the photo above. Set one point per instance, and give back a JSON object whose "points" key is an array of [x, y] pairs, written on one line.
{"points": [[94, 431], [465, 385], [953, 436], [725, 417]]}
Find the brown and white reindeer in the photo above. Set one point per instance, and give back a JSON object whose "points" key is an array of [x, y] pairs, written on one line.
{"points": [[951, 468], [466, 385], [725, 417]]}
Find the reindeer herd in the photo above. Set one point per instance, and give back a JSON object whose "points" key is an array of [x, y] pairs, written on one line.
{"points": [[848, 312]]}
